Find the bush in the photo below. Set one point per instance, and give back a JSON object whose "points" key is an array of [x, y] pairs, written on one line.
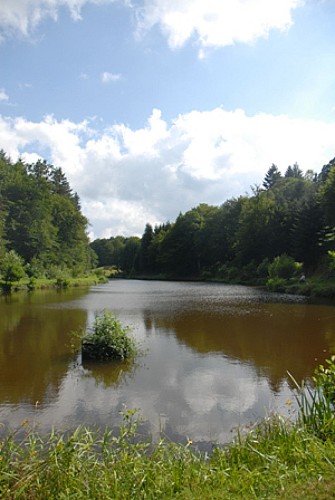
{"points": [[284, 267], [11, 268], [276, 285], [35, 268], [108, 339]]}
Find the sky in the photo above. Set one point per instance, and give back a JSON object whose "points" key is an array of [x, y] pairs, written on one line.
{"points": [[152, 107]]}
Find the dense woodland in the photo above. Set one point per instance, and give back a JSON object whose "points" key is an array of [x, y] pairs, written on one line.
{"points": [[43, 231], [291, 214], [42, 228]]}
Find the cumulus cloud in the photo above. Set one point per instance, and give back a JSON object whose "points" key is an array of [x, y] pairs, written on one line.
{"points": [[217, 23], [212, 23], [128, 177], [61, 138]]}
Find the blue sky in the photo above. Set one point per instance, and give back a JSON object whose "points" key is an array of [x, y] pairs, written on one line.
{"points": [[154, 106]]}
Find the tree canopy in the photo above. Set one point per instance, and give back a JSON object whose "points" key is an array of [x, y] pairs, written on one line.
{"points": [[291, 214], [40, 218], [43, 230]]}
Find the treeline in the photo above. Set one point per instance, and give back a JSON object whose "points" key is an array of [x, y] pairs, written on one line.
{"points": [[289, 215], [42, 228], [44, 233]]}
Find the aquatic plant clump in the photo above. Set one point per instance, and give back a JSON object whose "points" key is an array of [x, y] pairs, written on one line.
{"points": [[108, 339]]}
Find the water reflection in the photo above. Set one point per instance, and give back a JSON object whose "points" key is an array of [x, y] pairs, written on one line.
{"points": [[215, 357], [274, 338], [34, 346], [108, 373]]}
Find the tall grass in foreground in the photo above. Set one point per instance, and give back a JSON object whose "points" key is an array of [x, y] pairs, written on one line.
{"points": [[317, 403], [277, 459]]}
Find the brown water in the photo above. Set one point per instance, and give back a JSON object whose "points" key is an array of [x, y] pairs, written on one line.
{"points": [[215, 357]]}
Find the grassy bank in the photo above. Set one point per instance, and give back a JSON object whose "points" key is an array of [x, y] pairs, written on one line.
{"points": [[312, 287], [275, 460], [61, 282]]}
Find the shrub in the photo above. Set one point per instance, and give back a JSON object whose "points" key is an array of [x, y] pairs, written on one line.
{"points": [[284, 267], [11, 268], [276, 285], [108, 339], [35, 268]]}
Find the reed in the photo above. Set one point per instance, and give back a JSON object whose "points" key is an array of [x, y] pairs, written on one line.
{"points": [[316, 401], [275, 459]]}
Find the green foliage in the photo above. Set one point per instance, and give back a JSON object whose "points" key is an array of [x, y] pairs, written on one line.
{"points": [[316, 412], [108, 339], [276, 284], [284, 267], [324, 378], [263, 269], [294, 171], [306, 231], [292, 215], [120, 252], [317, 403], [40, 218], [11, 268], [331, 255], [271, 177], [327, 196], [275, 460], [35, 268]]}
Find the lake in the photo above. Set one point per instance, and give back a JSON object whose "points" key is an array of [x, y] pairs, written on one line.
{"points": [[215, 357]]}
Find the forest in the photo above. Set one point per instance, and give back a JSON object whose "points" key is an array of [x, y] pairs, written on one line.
{"points": [[42, 230], [288, 221], [285, 227]]}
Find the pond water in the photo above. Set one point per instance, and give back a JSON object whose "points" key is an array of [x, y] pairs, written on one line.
{"points": [[215, 357]]}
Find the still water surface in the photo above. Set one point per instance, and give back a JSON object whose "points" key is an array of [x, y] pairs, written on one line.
{"points": [[215, 357]]}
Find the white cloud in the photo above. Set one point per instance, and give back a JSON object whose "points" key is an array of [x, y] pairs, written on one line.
{"points": [[217, 23], [107, 77], [128, 177], [61, 138], [3, 95], [144, 141], [116, 216], [24, 15], [212, 23]]}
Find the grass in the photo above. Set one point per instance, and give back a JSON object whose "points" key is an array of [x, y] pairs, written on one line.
{"points": [[43, 283], [274, 460]]}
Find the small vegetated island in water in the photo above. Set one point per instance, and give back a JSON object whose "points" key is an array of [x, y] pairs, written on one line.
{"points": [[108, 339]]}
